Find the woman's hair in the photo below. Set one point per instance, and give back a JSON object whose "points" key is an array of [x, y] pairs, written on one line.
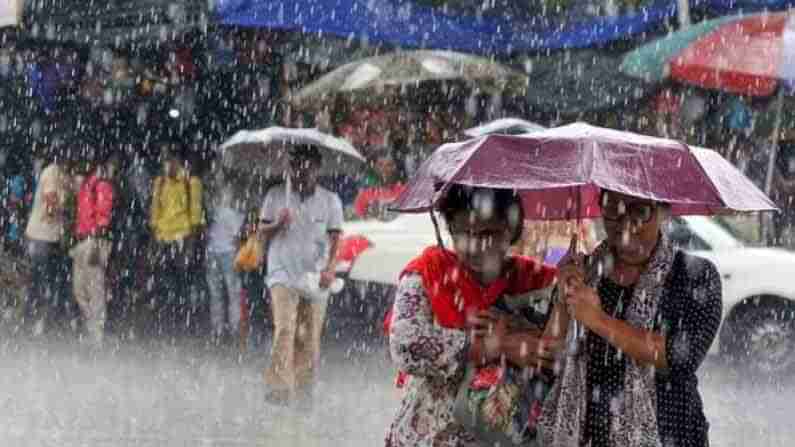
{"points": [[504, 204], [663, 211]]}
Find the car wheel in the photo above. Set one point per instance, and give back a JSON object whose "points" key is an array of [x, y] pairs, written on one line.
{"points": [[761, 336]]}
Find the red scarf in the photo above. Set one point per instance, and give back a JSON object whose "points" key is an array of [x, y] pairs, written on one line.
{"points": [[454, 293]]}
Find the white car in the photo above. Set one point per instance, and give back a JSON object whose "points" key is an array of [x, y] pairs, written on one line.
{"points": [[758, 283]]}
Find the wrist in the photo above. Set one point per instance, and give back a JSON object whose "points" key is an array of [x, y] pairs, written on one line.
{"points": [[598, 322], [506, 343]]}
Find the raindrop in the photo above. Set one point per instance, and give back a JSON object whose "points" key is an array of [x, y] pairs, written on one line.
{"points": [[36, 128], [700, 295], [681, 348], [5, 64], [108, 97]]}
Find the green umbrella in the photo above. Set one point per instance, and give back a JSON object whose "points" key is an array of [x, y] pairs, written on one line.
{"points": [[650, 61], [578, 81]]}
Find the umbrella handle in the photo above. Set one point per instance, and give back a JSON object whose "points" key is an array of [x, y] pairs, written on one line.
{"points": [[439, 239], [573, 338], [577, 331]]}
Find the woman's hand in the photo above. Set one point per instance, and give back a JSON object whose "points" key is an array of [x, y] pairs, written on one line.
{"points": [[571, 266], [488, 331], [486, 322], [529, 350], [583, 302]]}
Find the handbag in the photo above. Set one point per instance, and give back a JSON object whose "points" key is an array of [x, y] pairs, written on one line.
{"points": [[499, 405], [250, 256]]}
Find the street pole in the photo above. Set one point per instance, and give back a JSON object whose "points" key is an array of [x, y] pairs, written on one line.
{"points": [[771, 161], [683, 12]]}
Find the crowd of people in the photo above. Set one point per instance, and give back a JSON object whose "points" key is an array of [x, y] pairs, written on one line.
{"points": [[130, 240]]}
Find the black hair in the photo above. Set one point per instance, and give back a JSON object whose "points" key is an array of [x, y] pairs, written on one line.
{"points": [[396, 154], [307, 152], [381, 152], [462, 198]]}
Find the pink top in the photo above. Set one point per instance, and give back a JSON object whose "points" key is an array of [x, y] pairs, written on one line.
{"points": [[94, 206]]}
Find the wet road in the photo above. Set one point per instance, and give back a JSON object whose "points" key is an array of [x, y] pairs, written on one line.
{"points": [[53, 393]]}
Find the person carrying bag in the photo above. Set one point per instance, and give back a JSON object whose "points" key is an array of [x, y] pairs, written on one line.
{"points": [[463, 332]]}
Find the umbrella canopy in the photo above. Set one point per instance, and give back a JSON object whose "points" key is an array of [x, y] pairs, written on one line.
{"points": [[506, 126], [265, 151], [747, 54], [403, 68], [574, 82], [736, 190], [561, 171]]}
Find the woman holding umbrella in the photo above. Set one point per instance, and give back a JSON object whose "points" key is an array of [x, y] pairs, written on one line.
{"points": [[651, 314]]}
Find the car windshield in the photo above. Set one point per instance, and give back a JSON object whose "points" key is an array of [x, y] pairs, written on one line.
{"points": [[744, 228], [715, 233]]}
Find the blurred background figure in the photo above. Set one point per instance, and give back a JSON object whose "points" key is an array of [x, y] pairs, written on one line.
{"points": [[177, 221], [95, 207], [48, 297], [386, 184], [17, 199], [226, 219]]}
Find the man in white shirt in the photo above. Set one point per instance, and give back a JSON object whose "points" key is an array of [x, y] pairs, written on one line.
{"points": [[303, 223], [48, 294]]}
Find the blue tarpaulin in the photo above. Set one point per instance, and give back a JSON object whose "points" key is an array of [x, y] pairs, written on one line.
{"points": [[733, 6], [403, 23]]}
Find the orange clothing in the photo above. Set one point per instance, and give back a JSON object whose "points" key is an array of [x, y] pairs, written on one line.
{"points": [[382, 194]]}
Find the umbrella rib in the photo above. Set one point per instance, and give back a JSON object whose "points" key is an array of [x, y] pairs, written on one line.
{"points": [[645, 174]]}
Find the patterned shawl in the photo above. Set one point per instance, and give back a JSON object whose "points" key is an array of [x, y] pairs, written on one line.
{"points": [[634, 411]]}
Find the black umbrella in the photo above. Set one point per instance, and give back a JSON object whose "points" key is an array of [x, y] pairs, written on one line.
{"points": [[574, 82]]}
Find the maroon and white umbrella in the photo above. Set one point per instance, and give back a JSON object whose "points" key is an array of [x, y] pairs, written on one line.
{"points": [[560, 172]]}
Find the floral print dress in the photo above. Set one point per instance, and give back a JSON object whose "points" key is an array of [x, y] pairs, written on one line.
{"points": [[436, 359]]}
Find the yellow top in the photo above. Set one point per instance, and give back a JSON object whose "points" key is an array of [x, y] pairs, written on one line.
{"points": [[176, 209]]}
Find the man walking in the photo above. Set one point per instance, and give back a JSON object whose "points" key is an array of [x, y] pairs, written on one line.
{"points": [[303, 223], [226, 219], [47, 295]]}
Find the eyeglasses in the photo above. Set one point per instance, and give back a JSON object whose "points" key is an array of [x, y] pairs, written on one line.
{"points": [[614, 209]]}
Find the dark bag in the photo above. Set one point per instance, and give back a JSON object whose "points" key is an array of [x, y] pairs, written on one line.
{"points": [[500, 404]]}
